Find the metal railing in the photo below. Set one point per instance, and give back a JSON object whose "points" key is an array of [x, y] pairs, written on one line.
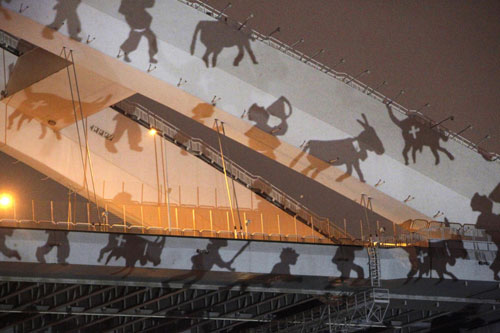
{"points": [[343, 77], [212, 156]]}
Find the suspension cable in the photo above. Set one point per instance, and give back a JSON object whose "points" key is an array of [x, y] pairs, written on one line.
{"points": [[232, 181], [4, 75], [85, 133], [77, 128], [225, 177]]}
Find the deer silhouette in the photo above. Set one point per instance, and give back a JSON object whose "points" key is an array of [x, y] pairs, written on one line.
{"points": [[418, 135], [216, 36], [347, 151]]}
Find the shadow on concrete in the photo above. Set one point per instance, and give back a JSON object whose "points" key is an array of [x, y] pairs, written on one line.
{"points": [[348, 152], [418, 135], [6, 251], [317, 197], [133, 249], [66, 12], [216, 36], [344, 260], [139, 21], [281, 109], [437, 257], [202, 111], [4, 11], [122, 125], [489, 221], [45, 104], [56, 239]]}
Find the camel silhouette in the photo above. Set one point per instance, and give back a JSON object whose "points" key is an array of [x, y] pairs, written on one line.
{"points": [[417, 135], [261, 116], [216, 36], [345, 151], [65, 11], [139, 21]]}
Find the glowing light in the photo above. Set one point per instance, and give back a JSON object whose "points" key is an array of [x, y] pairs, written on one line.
{"points": [[152, 131], [6, 200]]}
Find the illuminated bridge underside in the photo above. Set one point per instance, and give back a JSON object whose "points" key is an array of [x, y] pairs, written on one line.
{"points": [[153, 280]]}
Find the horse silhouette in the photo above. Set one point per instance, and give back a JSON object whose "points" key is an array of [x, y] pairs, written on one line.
{"points": [[261, 116], [65, 11], [345, 151], [489, 221], [139, 21], [216, 36], [133, 249], [417, 135]]}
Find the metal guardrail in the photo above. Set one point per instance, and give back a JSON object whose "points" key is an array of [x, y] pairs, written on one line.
{"points": [[256, 183], [343, 77], [9, 42]]}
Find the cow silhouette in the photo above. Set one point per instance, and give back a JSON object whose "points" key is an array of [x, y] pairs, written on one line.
{"points": [[133, 249], [349, 151], [216, 36], [139, 21], [65, 12], [417, 135]]}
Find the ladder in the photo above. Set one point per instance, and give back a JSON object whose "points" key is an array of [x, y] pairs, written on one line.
{"points": [[374, 265]]}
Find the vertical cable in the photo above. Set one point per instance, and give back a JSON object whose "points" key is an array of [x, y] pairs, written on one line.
{"points": [[232, 182], [4, 74], [225, 177], [85, 133], [165, 179]]}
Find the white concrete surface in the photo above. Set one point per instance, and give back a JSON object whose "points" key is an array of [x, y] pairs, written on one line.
{"points": [[323, 108]]}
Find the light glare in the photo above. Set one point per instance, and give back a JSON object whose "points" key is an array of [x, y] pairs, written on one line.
{"points": [[5, 200]]}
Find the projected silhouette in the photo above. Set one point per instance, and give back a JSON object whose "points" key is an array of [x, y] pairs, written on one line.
{"points": [[344, 260], [261, 116], [139, 21], [4, 249], [417, 136], [57, 239], [4, 11], [348, 152], [436, 257], [39, 103], [288, 258], [489, 221], [122, 125], [133, 249], [202, 111], [216, 36], [65, 12]]}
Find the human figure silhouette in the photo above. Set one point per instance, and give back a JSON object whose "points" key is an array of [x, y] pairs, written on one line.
{"points": [[344, 260], [216, 36], [4, 11], [65, 12], [417, 135], [288, 258], [348, 152], [122, 125], [489, 221], [9, 253], [261, 116], [139, 21], [57, 239]]}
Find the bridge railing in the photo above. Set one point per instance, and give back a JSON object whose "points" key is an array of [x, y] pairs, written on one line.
{"points": [[257, 184], [344, 77]]}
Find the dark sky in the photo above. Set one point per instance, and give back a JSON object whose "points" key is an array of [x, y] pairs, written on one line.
{"points": [[445, 52]]}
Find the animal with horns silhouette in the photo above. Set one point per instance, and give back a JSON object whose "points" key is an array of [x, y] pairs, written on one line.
{"points": [[348, 152]]}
